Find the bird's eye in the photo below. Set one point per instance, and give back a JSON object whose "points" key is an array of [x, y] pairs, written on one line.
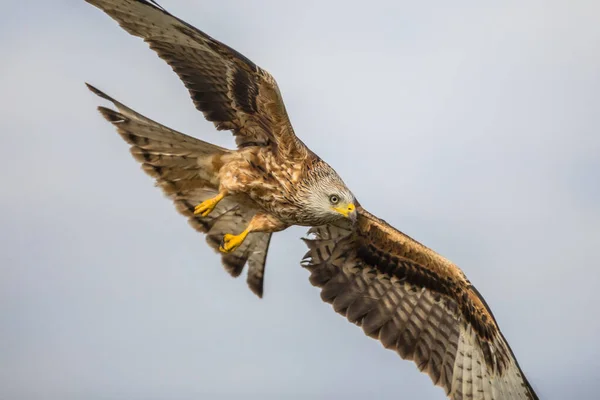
{"points": [[334, 199]]}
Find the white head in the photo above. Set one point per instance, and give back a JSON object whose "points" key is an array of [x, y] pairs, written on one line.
{"points": [[326, 197]]}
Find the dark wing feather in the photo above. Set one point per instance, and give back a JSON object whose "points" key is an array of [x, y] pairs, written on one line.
{"points": [[418, 304], [229, 89], [172, 159]]}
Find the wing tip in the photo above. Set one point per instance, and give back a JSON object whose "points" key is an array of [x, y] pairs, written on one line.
{"points": [[152, 4], [97, 91], [112, 116], [233, 263], [257, 289], [104, 96], [149, 3]]}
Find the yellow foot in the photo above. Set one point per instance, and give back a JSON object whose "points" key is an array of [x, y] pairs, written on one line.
{"points": [[207, 206], [232, 242]]}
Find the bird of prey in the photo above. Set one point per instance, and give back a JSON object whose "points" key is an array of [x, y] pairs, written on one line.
{"points": [[402, 293]]}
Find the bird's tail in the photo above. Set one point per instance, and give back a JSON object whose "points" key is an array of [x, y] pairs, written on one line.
{"points": [[162, 150], [186, 169]]}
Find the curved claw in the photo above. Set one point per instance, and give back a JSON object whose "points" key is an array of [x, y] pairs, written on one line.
{"points": [[207, 206], [231, 242]]}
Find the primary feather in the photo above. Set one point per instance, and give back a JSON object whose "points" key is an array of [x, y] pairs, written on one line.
{"points": [[173, 160], [417, 303], [405, 295]]}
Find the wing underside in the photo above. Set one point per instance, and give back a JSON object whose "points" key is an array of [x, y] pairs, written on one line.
{"points": [[171, 158], [370, 276], [229, 89]]}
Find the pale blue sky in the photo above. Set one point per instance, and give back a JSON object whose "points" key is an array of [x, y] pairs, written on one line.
{"points": [[471, 127]]}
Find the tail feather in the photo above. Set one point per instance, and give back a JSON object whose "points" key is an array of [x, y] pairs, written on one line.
{"points": [[160, 159], [256, 264], [152, 136], [178, 164]]}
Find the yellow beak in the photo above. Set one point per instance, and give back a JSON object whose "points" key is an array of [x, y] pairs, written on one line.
{"points": [[347, 210]]}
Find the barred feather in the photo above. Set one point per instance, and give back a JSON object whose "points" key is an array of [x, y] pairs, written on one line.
{"points": [[174, 160], [411, 299], [416, 303], [230, 90]]}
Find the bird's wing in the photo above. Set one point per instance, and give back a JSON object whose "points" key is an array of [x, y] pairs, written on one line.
{"points": [[418, 304], [171, 158], [229, 89]]}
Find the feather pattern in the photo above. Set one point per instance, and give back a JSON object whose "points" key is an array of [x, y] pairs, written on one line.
{"points": [[400, 292], [174, 160], [230, 90], [417, 303]]}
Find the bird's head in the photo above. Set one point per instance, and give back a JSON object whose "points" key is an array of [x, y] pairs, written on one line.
{"points": [[327, 197]]}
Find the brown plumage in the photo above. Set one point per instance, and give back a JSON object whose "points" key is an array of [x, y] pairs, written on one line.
{"points": [[272, 181], [402, 293], [417, 303]]}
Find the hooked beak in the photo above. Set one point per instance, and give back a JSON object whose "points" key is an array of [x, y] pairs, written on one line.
{"points": [[348, 211]]}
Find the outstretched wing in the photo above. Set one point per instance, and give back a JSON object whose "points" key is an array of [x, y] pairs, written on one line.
{"points": [[229, 89], [172, 159], [418, 304]]}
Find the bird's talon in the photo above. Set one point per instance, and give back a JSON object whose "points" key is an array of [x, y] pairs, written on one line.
{"points": [[205, 207], [231, 242]]}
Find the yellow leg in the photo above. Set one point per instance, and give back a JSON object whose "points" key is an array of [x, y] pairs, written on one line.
{"points": [[258, 223], [232, 242], [207, 206]]}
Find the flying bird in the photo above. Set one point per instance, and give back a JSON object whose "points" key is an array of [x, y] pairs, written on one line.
{"points": [[400, 292]]}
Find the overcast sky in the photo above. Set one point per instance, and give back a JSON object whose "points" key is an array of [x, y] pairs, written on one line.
{"points": [[473, 128]]}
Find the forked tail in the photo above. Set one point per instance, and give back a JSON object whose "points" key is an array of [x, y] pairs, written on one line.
{"points": [[182, 168]]}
